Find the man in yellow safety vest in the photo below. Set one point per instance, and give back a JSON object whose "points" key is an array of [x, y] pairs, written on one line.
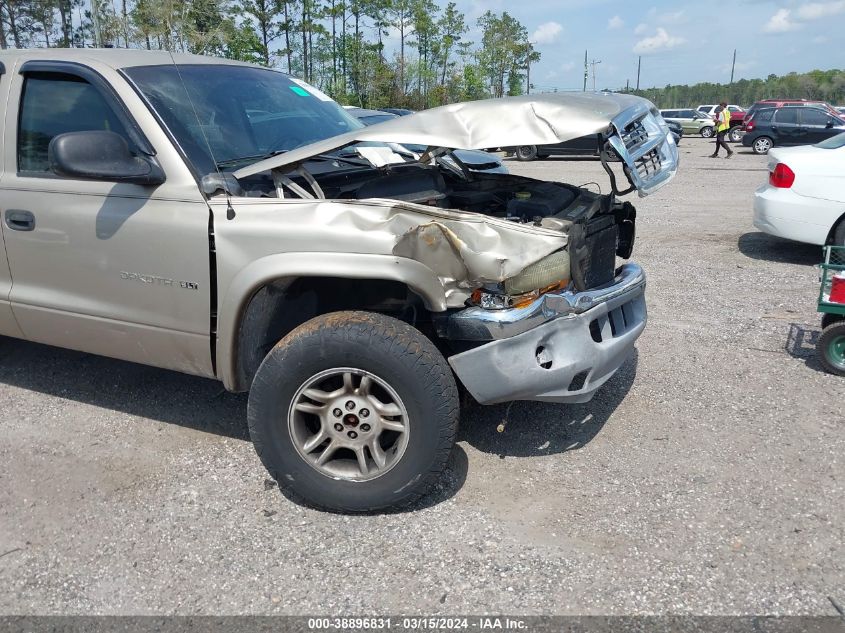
{"points": [[723, 124]]}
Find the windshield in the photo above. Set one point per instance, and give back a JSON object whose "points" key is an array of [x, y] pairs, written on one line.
{"points": [[243, 113], [834, 142]]}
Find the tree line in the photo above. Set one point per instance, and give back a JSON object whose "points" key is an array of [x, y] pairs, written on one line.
{"points": [[822, 85], [370, 53]]}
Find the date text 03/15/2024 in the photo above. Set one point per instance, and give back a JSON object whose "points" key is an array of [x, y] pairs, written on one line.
{"points": [[417, 623]]}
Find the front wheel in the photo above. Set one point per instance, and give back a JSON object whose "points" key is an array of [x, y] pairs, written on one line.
{"points": [[762, 145], [354, 412], [526, 152], [735, 134], [831, 348], [707, 131]]}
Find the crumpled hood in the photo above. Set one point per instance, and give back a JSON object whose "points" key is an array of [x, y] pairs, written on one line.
{"points": [[527, 120]]}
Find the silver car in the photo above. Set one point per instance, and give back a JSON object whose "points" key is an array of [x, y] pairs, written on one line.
{"points": [[232, 222]]}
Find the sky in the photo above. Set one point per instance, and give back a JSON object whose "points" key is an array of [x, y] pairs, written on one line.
{"points": [[681, 42]]}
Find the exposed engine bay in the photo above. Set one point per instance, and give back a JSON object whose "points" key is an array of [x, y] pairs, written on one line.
{"points": [[596, 226], [492, 240]]}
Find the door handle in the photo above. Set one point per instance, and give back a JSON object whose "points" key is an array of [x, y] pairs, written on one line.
{"points": [[18, 220]]}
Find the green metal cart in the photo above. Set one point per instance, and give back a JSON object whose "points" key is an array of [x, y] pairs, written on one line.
{"points": [[831, 343]]}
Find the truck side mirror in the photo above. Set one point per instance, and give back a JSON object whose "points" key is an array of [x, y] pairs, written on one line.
{"points": [[101, 155]]}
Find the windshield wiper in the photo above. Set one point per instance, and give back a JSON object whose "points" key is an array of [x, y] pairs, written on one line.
{"points": [[254, 158], [229, 162], [349, 161]]}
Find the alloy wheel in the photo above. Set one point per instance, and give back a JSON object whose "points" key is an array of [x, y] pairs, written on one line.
{"points": [[348, 424]]}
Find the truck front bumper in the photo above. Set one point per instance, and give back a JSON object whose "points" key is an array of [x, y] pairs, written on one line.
{"points": [[560, 348]]}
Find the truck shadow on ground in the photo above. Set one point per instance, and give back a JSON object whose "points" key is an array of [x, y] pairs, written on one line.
{"points": [[536, 428], [147, 392], [759, 245]]}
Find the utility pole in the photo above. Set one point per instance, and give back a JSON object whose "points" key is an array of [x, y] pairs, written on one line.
{"points": [[593, 64], [627, 85], [585, 71], [639, 63], [733, 65]]}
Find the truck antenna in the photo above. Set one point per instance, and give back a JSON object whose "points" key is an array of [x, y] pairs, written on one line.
{"points": [[230, 211]]}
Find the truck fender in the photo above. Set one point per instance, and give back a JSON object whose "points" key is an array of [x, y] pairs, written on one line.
{"points": [[234, 299]]}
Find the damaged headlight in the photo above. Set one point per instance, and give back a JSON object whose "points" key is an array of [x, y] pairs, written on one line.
{"points": [[551, 270], [548, 274]]}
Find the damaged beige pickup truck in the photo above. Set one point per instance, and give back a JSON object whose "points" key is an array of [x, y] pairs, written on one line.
{"points": [[229, 221]]}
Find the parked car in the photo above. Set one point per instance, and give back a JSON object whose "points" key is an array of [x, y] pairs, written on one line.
{"points": [[475, 160], [590, 145], [737, 118], [790, 125], [692, 121], [804, 199], [779, 103], [710, 110], [397, 111], [228, 221], [677, 131], [583, 146]]}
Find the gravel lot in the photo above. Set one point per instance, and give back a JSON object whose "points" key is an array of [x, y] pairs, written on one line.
{"points": [[706, 477]]}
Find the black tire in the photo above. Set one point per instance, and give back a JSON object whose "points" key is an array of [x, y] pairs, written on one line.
{"points": [[526, 152], [707, 131], [828, 318], [831, 348], [386, 348], [762, 145], [839, 233], [735, 134]]}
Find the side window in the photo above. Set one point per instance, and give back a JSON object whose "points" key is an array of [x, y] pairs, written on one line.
{"points": [[764, 115], [787, 115], [53, 104], [811, 116], [669, 114]]}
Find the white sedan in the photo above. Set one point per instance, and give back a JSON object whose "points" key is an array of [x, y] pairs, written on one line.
{"points": [[804, 199]]}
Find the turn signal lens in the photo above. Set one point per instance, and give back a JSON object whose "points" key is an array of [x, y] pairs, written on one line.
{"points": [[781, 176]]}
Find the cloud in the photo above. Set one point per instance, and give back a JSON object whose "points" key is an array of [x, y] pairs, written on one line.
{"points": [[780, 22], [660, 41], [784, 20], [817, 10], [615, 23], [640, 29], [546, 33]]}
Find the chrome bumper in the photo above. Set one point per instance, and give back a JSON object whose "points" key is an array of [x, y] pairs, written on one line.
{"points": [[561, 348], [478, 324]]}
